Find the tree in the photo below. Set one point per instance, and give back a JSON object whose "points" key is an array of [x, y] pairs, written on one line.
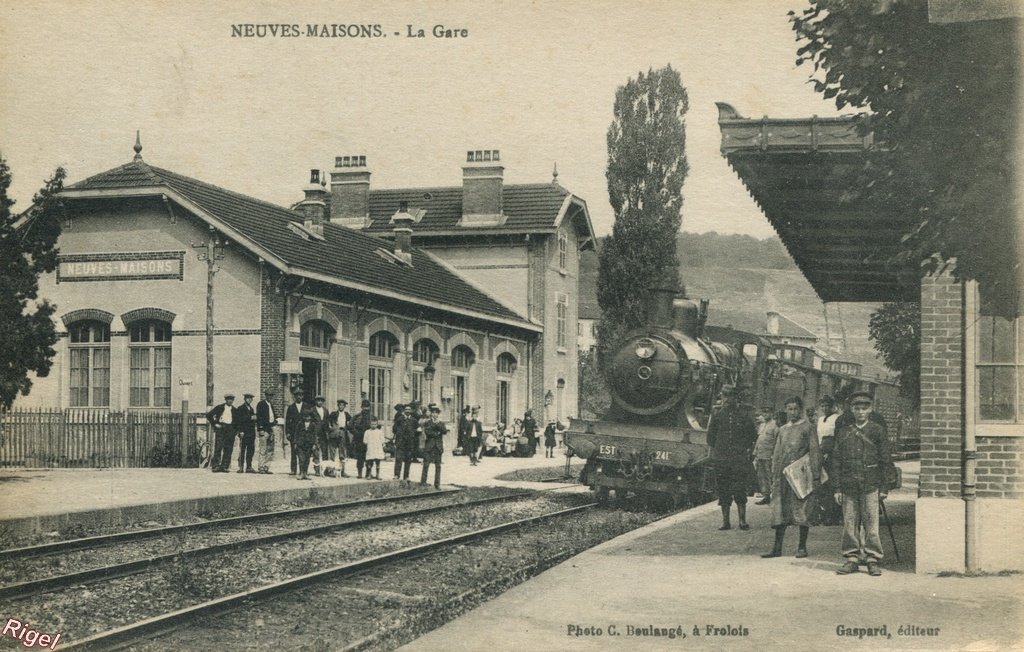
{"points": [[646, 169], [595, 398], [895, 331], [28, 248], [944, 102]]}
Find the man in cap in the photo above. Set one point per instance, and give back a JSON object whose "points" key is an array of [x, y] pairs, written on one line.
{"points": [[305, 441], [338, 434], [474, 436], [265, 423], [404, 430], [246, 413], [731, 437], [222, 418], [320, 414], [859, 464], [292, 422], [360, 424], [433, 449]]}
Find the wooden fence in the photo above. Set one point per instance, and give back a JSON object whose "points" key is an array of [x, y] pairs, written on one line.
{"points": [[77, 438]]}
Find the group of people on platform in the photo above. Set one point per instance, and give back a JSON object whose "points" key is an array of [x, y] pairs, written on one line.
{"points": [[521, 440], [848, 455]]}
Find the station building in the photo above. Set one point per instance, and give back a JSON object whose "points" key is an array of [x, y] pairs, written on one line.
{"points": [[972, 359], [171, 289]]}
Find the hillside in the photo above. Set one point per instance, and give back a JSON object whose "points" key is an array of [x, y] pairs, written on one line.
{"points": [[741, 293]]}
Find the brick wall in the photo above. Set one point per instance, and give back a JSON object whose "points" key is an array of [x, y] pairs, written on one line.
{"points": [[272, 340], [538, 284], [1000, 467], [941, 386]]}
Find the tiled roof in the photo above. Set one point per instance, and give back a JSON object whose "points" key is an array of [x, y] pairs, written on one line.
{"points": [[346, 255], [528, 207]]}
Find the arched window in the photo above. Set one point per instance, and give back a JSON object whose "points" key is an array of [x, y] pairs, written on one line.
{"points": [[424, 352], [315, 339], [462, 361], [383, 346], [506, 366], [149, 346], [90, 363]]}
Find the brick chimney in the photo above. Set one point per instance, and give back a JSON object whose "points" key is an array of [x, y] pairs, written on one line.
{"points": [[350, 192], [314, 206], [772, 327], [482, 180], [403, 232]]}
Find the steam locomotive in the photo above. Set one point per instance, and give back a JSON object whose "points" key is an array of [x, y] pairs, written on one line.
{"points": [[664, 379]]}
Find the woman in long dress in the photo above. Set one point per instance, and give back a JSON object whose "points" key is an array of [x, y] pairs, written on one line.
{"points": [[795, 439]]}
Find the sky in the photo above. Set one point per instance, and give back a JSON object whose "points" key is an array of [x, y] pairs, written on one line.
{"points": [[534, 80]]}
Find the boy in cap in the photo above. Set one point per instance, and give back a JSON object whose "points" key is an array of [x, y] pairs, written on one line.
{"points": [[338, 433], [222, 418], [859, 465]]}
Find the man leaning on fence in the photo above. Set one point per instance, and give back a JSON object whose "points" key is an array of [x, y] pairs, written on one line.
{"points": [[222, 418], [860, 463]]}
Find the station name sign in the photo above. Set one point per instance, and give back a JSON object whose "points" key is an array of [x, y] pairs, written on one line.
{"points": [[121, 266]]}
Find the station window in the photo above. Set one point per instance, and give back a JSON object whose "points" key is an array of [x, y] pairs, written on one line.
{"points": [[383, 347], [563, 251], [561, 313], [424, 352], [463, 359], [999, 367], [506, 366], [90, 364], [149, 345], [315, 339]]}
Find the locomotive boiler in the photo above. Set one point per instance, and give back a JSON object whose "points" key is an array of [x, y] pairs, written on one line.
{"points": [[664, 378]]}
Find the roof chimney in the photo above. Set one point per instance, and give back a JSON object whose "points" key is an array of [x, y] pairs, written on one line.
{"points": [[403, 232], [350, 192], [314, 206], [772, 327], [482, 179]]}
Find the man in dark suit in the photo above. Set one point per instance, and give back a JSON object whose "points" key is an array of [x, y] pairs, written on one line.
{"points": [[320, 414], [265, 421], [360, 424], [246, 425], [405, 442], [474, 436], [530, 431], [462, 433], [305, 441], [433, 449], [292, 423], [222, 418], [339, 435]]}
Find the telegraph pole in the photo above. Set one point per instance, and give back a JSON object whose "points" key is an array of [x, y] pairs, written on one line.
{"points": [[211, 251]]}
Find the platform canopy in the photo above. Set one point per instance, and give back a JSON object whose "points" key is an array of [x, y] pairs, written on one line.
{"points": [[804, 173]]}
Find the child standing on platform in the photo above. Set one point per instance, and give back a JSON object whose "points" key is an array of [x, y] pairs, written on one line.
{"points": [[374, 441]]}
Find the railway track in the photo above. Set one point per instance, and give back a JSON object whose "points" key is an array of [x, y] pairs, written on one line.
{"points": [[37, 586], [143, 630]]}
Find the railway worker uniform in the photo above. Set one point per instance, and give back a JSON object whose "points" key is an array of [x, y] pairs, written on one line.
{"points": [[405, 442], [731, 437], [433, 449], [247, 427], [265, 425], [222, 418], [292, 423], [305, 441], [860, 462], [338, 434]]}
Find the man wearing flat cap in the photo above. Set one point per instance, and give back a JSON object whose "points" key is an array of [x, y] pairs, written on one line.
{"points": [[266, 422], [223, 419], [246, 414], [433, 450], [360, 424], [860, 463], [338, 435], [292, 422]]}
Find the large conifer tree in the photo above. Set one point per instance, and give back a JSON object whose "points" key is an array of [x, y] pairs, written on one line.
{"points": [[646, 169], [28, 248]]}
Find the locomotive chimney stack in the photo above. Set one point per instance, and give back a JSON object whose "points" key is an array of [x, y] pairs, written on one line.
{"points": [[661, 295]]}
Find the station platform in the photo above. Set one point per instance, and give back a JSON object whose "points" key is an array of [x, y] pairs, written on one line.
{"points": [[62, 503], [683, 574]]}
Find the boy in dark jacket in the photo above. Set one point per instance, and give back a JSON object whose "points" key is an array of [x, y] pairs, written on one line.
{"points": [[859, 464]]}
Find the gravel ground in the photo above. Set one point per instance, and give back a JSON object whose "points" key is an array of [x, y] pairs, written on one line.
{"points": [[387, 607], [83, 610], [542, 474], [79, 531], [62, 563]]}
